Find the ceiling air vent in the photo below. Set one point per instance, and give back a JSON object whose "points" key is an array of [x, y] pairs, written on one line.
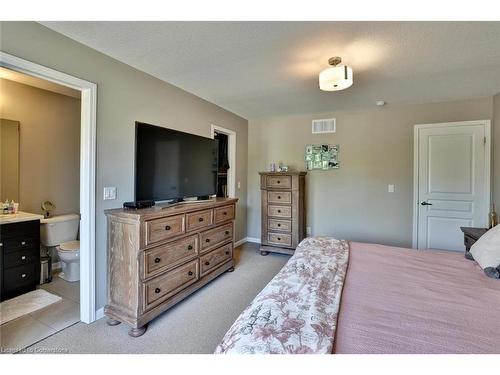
{"points": [[323, 126]]}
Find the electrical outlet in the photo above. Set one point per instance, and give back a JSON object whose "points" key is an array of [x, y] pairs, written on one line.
{"points": [[109, 193], [308, 231], [390, 188]]}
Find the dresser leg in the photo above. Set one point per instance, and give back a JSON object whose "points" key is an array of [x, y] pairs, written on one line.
{"points": [[264, 253], [136, 332], [468, 256], [230, 269], [112, 322]]}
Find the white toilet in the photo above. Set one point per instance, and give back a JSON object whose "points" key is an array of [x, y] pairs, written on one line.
{"points": [[62, 232]]}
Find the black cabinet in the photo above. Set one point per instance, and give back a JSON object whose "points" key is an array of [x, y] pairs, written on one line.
{"points": [[19, 258]]}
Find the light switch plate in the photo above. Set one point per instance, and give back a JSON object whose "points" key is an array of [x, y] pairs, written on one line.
{"points": [[109, 193], [390, 188]]}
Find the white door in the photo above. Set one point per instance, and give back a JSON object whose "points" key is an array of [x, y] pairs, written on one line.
{"points": [[452, 172]]}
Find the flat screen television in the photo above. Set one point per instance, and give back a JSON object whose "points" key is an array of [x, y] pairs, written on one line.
{"points": [[172, 165]]}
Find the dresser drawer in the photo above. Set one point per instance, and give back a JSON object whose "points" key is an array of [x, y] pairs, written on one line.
{"points": [[279, 182], [223, 214], [279, 239], [169, 255], [17, 277], [18, 258], [23, 229], [279, 197], [279, 225], [216, 257], [279, 211], [162, 229], [19, 244], [169, 284], [199, 219], [216, 236]]}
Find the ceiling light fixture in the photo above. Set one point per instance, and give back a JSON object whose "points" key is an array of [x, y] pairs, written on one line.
{"points": [[337, 77]]}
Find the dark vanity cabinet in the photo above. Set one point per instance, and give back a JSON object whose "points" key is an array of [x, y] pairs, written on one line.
{"points": [[19, 258]]}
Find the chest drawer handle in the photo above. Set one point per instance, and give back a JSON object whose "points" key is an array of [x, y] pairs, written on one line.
{"points": [[157, 260], [23, 275], [279, 225], [279, 211], [190, 273], [279, 238], [207, 263], [157, 290], [190, 247], [224, 213], [227, 232], [227, 252], [23, 243], [207, 240], [167, 227], [279, 196], [23, 257], [200, 219], [278, 182], [1, 244]]}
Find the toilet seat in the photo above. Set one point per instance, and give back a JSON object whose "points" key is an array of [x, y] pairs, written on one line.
{"points": [[70, 246]]}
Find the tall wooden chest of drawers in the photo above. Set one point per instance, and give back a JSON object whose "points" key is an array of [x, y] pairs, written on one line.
{"points": [[158, 256], [283, 211]]}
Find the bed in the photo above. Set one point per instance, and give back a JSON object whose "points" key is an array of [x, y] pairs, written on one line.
{"points": [[387, 300]]}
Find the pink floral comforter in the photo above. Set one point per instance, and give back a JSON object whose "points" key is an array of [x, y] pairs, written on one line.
{"points": [[297, 311]]}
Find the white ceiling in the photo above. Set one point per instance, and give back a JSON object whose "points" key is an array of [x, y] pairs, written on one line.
{"points": [[258, 69]]}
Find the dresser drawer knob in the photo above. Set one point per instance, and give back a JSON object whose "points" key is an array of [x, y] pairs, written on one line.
{"points": [[279, 196], [278, 182], [190, 247], [190, 273], [224, 213], [227, 252], [23, 275], [23, 257], [227, 232], [207, 263], [279, 225], [1, 244], [207, 240], [157, 290], [157, 260], [200, 219], [23, 243], [279, 211], [279, 238], [167, 227]]}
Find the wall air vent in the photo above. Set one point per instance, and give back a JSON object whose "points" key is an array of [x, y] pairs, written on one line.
{"points": [[322, 126]]}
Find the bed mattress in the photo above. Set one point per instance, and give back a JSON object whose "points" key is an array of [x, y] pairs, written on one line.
{"points": [[399, 300]]}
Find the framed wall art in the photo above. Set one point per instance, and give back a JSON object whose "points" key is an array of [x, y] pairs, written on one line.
{"points": [[322, 157]]}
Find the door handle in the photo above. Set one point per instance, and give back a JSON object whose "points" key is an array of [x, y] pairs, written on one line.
{"points": [[424, 203]]}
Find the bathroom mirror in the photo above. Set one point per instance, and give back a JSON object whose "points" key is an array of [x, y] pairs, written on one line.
{"points": [[9, 160]]}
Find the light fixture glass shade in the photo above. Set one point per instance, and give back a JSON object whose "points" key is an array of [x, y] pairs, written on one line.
{"points": [[335, 78]]}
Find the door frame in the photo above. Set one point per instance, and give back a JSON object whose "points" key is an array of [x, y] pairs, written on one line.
{"points": [[231, 150], [487, 161], [87, 171]]}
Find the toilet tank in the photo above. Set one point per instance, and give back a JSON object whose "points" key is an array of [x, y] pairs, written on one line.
{"points": [[58, 229]]}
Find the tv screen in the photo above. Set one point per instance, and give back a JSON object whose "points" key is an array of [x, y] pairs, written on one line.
{"points": [[170, 164]]}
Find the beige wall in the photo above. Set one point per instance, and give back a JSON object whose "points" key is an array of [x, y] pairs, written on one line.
{"points": [[376, 149], [49, 146], [496, 151], [124, 96]]}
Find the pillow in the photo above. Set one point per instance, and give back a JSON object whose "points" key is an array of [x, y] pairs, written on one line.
{"points": [[486, 251]]}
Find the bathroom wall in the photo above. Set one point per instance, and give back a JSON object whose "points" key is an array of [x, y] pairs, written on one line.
{"points": [[49, 157]]}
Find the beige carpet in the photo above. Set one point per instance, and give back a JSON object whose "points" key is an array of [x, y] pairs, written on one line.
{"points": [[25, 304], [196, 325]]}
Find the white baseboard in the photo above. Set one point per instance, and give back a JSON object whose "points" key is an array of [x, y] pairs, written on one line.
{"points": [[253, 239], [246, 239], [99, 313]]}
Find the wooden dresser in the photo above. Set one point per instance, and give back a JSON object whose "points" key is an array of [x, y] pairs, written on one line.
{"points": [[159, 256], [283, 211]]}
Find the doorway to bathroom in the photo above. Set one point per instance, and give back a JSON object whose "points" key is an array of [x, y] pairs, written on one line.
{"points": [[63, 163]]}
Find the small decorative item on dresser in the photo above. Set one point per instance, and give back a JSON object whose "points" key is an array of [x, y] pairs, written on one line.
{"points": [[283, 211], [493, 218]]}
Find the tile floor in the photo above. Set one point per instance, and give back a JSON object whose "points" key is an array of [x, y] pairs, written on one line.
{"points": [[29, 329]]}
